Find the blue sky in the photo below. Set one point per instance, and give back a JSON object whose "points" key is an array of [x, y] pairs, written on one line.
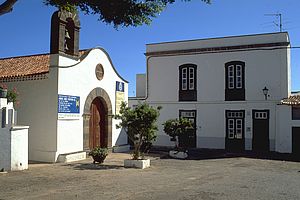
{"points": [[26, 30]]}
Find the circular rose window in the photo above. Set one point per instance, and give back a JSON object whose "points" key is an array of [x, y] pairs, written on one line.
{"points": [[99, 72]]}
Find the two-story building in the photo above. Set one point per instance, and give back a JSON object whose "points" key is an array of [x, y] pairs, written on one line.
{"points": [[230, 87]]}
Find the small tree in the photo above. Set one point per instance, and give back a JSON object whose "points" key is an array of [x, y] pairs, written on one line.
{"points": [[140, 125], [176, 128]]}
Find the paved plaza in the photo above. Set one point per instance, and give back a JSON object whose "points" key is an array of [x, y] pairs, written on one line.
{"points": [[217, 178]]}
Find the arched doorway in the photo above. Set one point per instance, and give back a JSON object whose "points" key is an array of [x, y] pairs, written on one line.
{"points": [[97, 133], [97, 109]]}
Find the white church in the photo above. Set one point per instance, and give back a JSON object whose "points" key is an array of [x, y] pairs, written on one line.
{"points": [[68, 97], [236, 90]]}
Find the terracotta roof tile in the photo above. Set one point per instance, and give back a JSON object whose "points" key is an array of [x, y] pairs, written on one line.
{"points": [[292, 100], [24, 65]]}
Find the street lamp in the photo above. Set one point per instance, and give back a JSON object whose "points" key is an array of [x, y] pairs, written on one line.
{"points": [[265, 91]]}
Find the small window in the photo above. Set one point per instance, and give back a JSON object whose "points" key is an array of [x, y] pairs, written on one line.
{"points": [[295, 112], [231, 77], [239, 129], [188, 82], [184, 79], [231, 128], [191, 78], [238, 77], [235, 81]]}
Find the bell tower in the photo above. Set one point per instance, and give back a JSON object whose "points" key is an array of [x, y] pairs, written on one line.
{"points": [[65, 33]]}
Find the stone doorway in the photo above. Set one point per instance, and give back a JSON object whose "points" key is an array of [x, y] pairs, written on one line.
{"points": [[97, 120]]}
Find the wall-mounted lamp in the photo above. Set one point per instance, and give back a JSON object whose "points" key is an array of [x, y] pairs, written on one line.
{"points": [[265, 91]]}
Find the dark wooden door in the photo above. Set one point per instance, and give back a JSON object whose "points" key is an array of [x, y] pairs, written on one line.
{"points": [[296, 141], [189, 140], [97, 124], [260, 140], [235, 134]]}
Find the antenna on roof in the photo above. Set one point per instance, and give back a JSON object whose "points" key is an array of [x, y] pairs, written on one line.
{"points": [[279, 16]]}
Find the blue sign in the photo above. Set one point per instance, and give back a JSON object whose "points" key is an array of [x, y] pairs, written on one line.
{"points": [[119, 86], [68, 104]]}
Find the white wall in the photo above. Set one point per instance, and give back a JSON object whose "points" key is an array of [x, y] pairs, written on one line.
{"points": [[19, 148], [80, 80], [263, 68], [284, 128], [141, 85], [14, 148], [211, 122], [38, 109], [5, 149]]}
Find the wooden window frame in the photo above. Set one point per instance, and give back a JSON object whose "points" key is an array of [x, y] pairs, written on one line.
{"points": [[187, 82], [184, 78], [191, 78], [235, 81]]}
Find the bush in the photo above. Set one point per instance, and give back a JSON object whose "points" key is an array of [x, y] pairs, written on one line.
{"points": [[176, 128], [140, 126]]}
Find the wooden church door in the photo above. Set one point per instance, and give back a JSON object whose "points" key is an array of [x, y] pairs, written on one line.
{"points": [[97, 124]]}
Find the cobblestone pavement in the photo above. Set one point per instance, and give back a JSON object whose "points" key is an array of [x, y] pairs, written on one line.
{"points": [[222, 178]]}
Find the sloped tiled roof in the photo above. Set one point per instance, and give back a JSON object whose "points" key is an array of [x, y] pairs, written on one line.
{"points": [[292, 100], [24, 65]]}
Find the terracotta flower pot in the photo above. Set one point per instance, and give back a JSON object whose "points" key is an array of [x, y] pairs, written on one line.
{"points": [[99, 158]]}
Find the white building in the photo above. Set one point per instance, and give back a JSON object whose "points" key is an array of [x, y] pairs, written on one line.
{"points": [[68, 97], [218, 83]]}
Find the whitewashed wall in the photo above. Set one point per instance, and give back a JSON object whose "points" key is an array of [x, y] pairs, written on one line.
{"points": [[14, 148], [262, 68], [19, 148], [49, 136], [211, 122], [141, 85], [38, 109], [13, 141], [5, 149], [270, 68], [284, 124], [80, 80]]}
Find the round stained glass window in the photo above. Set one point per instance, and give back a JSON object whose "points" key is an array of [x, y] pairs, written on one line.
{"points": [[99, 72]]}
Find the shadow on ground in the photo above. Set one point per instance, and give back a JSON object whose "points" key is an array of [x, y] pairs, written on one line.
{"points": [[204, 154], [91, 166]]}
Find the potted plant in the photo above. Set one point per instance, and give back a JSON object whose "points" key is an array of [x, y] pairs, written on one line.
{"points": [[12, 95], [99, 154], [3, 91], [140, 125], [177, 128]]}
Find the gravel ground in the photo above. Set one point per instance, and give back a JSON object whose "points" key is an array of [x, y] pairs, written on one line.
{"points": [[222, 178]]}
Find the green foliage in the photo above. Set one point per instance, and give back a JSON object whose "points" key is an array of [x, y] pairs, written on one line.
{"points": [[140, 125], [117, 12], [98, 151], [12, 95], [176, 128]]}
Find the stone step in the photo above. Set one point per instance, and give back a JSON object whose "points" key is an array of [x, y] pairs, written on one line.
{"points": [[71, 157]]}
